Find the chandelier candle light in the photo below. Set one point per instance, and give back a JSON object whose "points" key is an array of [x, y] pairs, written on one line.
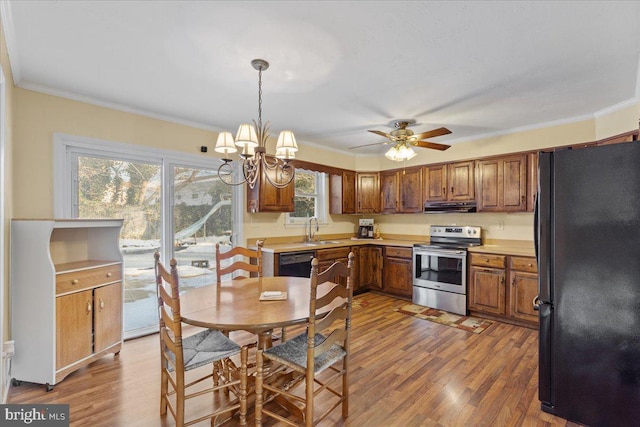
{"points": [[252, 140]]}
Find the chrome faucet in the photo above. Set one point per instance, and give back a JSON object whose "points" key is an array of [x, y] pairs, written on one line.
{"points": [[312, 235]]}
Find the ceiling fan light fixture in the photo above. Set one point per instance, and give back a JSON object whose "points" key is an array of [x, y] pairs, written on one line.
{"points": [[400, 153]]}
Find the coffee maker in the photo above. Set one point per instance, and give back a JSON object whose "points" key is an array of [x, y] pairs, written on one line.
{"points": [[365, 231]]}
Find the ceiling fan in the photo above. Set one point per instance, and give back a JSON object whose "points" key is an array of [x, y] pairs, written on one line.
{"points": [[403, 139]]}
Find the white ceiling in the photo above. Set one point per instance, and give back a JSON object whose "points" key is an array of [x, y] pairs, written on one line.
{"points": [[337, 68]]}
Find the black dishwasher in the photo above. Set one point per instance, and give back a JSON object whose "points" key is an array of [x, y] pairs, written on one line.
{"points": [[296, 264]]}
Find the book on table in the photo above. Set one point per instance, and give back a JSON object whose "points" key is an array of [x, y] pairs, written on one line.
{"points": [[273, 295]]}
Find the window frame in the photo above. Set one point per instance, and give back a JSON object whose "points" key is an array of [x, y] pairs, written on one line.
{"points": [[321, 197]]}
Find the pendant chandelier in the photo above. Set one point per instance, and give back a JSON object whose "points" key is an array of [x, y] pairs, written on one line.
{"points": [[400, 152], [252, 139]]}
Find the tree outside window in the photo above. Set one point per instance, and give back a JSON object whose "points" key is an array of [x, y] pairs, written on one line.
{"points": [[309, 196]]}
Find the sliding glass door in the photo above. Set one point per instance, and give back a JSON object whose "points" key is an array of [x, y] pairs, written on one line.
{"points": [[172, 205]]}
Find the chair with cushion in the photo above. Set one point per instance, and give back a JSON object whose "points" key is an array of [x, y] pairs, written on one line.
{"points": [[320, 355], [181, 354]]}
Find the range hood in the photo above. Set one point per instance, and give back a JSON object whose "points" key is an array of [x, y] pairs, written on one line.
{"points": [[449, 207]]}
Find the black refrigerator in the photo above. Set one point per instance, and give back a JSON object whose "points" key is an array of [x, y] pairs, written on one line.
{"points": [[587, 235]]}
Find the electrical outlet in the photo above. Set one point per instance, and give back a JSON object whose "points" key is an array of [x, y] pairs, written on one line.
{"points": [[500, 225], [8, 348]]}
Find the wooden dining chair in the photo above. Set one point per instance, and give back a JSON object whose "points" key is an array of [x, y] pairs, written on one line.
{"points": [[181, 354], [251, 262], [253, 266], [324, 346]]}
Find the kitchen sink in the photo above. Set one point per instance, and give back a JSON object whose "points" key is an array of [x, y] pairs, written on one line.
{"points": [[322, 242]]}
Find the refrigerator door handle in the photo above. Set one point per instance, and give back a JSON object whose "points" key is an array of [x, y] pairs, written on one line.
{"points": [[536, 303]]}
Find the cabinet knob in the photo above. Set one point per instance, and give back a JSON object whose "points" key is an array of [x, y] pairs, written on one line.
{"points": [[530, 265], [108, 274], [88, 307], [101, 303], [486, 260], [502, 281], [451, 190], [513, 282], [75, 281], [444, 190]]}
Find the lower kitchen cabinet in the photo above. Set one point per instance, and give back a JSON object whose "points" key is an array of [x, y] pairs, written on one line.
{"points": [[489, 294], [397, 271], [370, 267], [326, 257]]}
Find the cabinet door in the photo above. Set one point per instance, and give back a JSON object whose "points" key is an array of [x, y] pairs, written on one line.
{"points": [[411, 190], [514, 183], [389, 192], [435, 183], [461, 180], [502, 184], [356, 268], [264, 197], [397, 276], [74, 322], [348, 192], [524, 288], [371, 267], [487, 290], [107, 316], [367, 194], [342, 189]]}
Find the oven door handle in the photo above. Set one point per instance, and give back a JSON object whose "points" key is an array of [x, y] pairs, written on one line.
{"points": [[437, 252]]}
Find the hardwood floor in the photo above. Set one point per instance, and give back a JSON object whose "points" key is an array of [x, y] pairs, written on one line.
{"points": [[404, 372]]}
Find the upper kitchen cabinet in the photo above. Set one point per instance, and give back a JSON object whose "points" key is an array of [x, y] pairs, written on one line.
{"points": [[449, 182], [264, 197], [411, 190], [389, 192], [367, 192], [342, 190], [502, 184]]}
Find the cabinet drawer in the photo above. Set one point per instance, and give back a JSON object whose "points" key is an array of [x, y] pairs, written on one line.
{"points": [[488, 260], [524, 264], [399, 252], [89, 278], [332, 254]]}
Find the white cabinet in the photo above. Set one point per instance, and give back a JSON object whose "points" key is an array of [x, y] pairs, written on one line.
{"points": [[66, 295]]}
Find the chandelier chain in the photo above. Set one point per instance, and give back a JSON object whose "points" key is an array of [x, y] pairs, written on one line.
{"points": [[260, 98]]}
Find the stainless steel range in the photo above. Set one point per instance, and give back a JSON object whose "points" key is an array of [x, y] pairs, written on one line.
{"points": [[440, 267]]}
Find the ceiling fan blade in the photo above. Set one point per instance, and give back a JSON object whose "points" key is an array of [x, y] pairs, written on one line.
{"points": [[368, 145], [433, 145], [430, 134], [378, 132]]}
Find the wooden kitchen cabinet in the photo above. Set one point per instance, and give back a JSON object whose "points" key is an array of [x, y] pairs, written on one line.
{"points": [[66, 295], [367, 192], [449, 182], [487, 284], [264, 197], [371, 264], [326, 257], [398, 271], [523, 277], [503, 287], [342, 189], [502, 184], [389, 186], [411, 190]]}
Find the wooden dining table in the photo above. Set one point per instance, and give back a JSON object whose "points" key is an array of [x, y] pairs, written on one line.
{"points": [[235, 305]]}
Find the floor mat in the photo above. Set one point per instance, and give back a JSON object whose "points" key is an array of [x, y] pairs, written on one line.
{"points": [[467, 323]]}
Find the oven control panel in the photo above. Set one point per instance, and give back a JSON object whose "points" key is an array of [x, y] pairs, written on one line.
{"points": [[454, 231]]}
